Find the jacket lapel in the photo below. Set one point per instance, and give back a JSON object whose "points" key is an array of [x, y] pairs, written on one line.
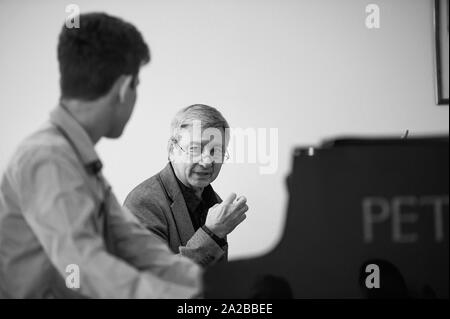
{"points": [[178, 206]]}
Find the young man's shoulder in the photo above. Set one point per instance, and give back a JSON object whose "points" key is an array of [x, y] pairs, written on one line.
{"points": [[44, 143]]}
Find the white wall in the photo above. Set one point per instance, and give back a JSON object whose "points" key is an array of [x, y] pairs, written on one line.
{"points": [[309, 68]]}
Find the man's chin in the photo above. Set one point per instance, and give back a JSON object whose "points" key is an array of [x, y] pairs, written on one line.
{"points": [[200, 182], [115, 134]]}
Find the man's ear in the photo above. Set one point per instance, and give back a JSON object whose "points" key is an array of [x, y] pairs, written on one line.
{"points": [[170, 153], [126, 80]]}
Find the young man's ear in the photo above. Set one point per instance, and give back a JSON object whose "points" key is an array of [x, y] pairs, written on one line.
{"points": [[124, 85]]}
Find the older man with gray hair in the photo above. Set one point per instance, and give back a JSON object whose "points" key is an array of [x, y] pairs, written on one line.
{"points": [[179, 204]]}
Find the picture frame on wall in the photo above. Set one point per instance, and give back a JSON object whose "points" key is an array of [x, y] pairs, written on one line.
{"points": [[441, 39]]}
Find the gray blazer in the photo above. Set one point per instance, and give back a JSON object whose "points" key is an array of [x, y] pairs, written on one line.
{"points": [[159, 204]]}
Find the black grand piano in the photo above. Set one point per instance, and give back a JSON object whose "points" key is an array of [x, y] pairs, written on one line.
{"points": [[355, 202]]}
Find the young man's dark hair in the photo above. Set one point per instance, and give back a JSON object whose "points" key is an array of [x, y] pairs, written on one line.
{"points": [[94, 55]]}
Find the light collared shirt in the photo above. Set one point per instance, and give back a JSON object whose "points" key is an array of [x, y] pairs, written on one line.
{"points": [[57, 211]]}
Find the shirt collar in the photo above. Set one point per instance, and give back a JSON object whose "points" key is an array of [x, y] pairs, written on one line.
{"points": [[77, 137]]}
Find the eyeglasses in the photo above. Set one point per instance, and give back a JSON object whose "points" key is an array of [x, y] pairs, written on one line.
{"points": [[195, 152]]}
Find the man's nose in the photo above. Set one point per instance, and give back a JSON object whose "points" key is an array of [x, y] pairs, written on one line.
{"points": [[206, 161]]}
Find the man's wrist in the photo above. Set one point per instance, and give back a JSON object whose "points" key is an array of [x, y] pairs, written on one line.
{"points": [[215, 231], [219, 240]]}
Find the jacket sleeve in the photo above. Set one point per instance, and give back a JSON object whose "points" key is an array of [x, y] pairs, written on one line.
{"points": [[200, 248], [203, 249]]}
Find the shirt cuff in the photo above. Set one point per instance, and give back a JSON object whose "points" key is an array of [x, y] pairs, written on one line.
{"points": [[222, 242]]}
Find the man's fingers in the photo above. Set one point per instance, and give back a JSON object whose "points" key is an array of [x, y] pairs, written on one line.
{"points": [[239, 220], [243, 209], [239, 211], [240, 200], [230, 199]]}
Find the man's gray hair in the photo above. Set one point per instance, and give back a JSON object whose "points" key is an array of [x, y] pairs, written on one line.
{"points": [[208, 115]]}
